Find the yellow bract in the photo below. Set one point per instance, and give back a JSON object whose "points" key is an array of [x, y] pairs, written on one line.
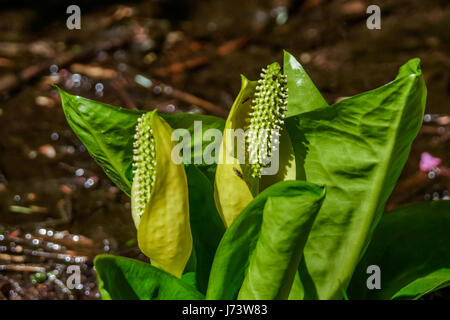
{"points": [[232, 183], [164, 232]]}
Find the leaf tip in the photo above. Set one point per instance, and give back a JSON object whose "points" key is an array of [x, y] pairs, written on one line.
{"points": [[286, 54], [244, 81], [60, 91], [410, 68]]}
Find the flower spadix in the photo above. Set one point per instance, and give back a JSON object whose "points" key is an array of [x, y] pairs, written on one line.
{"points": [[144, 163], [266, 118], [259, 110], [159, 197]]}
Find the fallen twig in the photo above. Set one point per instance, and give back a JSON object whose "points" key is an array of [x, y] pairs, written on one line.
{"points": [[182, 66], [192, 63], [202, 103], [11, 81], [123, 94], [184, 96], [15, 285], [61, 285], [12, 258], [21, 268], [432, 130], [415, 184]]}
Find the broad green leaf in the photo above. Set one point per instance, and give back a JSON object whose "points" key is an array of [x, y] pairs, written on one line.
{"points": [[207, 227], [190, 279], [235, 250], [233, 183], [164, 232], [433, 281], [410, 245], [357, 149], [303, 94], [121, 278], [107, 132], [275, 259]]}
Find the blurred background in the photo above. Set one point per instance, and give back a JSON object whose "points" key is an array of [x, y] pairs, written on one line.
{"points": [[57, 208]]}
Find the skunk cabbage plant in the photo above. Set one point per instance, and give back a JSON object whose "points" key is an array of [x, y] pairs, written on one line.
{"points": [[314, 228]]}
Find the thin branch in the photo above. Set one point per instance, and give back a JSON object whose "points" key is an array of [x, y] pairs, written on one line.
{"points": [[21, 268], [11, 81]]}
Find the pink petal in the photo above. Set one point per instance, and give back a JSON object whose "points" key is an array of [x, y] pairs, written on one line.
{"points": [[428, 162]]}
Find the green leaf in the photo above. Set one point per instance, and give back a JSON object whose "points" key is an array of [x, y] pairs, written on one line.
{"points": [[303, 94], [410, 245], [433, 281], [275, 259], [206, 225], [190, 279], [357, 149], [293, 202], [121, 278], [108, 132]]}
